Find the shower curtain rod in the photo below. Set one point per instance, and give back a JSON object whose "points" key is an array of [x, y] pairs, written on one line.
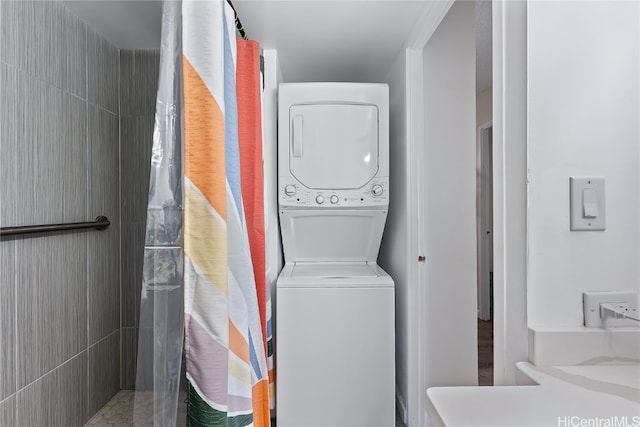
{"points": [[100, 223], [239, 26]]}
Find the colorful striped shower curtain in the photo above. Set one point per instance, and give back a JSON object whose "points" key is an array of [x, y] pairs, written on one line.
{"points": [[249, 94], [225, 299]]}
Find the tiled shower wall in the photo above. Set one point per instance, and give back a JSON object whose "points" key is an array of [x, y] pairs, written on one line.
{"points": [[138, 88], [59, 162]]}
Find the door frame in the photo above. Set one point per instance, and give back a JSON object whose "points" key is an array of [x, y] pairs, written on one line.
{"points": [[509, 32], [434, 13]]}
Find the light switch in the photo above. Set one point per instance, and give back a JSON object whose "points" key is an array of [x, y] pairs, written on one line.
{"points": [[587, 203]]}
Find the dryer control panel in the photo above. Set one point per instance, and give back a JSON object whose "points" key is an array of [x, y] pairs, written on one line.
{"points": [[293, 194]]}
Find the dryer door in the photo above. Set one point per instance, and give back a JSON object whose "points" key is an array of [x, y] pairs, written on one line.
{"points": [[333, 146]]}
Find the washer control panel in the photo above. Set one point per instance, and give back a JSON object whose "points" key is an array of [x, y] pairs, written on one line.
{"points": [[292, 193]]}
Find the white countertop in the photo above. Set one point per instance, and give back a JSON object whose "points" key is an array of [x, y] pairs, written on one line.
{"points": [[564, 396]]}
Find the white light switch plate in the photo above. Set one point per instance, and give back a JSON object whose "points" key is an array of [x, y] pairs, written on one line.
{"points": [[587, 203], [591, 306]]}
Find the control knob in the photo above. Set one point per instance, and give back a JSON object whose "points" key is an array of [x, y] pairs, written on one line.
{"points": [[290, 190], [334, 199], [319, 199], [377, 190]]}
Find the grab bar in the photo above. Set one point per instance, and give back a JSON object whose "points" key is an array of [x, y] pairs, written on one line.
{"points": [[100, 223]]}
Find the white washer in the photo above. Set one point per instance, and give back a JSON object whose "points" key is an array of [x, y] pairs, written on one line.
{"points": [[335, 351], [335, 345]]}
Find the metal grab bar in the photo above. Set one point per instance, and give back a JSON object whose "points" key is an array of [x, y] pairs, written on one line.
{"points": [[100, 223]]}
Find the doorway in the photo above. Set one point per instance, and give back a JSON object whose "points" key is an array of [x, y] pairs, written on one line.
{"points": [[484, 188], [485, 254]]}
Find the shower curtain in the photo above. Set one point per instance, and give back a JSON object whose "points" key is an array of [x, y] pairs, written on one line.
{"points": [[211, 168]]}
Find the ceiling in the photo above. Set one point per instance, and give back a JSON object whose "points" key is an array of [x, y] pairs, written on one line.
{"points": [[317, 40], [331, 40]]}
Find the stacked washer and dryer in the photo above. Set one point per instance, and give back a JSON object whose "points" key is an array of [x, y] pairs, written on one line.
{"points": [[335, 306]]}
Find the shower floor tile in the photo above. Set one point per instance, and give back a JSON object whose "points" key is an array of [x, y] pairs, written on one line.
{"points": [[119, 411]]}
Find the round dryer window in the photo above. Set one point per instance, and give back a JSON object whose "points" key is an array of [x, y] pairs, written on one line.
{"points": [[333, 146]]}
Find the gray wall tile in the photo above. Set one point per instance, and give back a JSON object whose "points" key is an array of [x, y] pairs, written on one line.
{"points": [[137, 372], [7, 218], [27, 110], [145, 356], [129, 356], [73, 161], [103, 163], [103, 60], [59, 161], [138, 82], [46, 167], [72, 389], [22, 50], [104, 372], [40, 134], [48, 42], [104, 284], [8, 197], [8, 412], [56, 399], [104, 247], [39, 41], [74, 72], [132, 261], [7, 43], [138, 89], [127, 68], [51, 302], [136, 133], [36, 403], [8, 202], [7, 319]]}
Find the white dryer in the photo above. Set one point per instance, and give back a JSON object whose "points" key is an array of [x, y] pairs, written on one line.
{"points": [[335, 345]]}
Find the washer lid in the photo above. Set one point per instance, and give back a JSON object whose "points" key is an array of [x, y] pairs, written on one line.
{"points": [[333, 271], [333, 276], [332, 235], [333, 146]]}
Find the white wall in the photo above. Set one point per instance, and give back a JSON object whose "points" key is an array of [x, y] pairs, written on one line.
{"points": [[449, 181], [393, 252], [584, 119], [273, 250]]}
